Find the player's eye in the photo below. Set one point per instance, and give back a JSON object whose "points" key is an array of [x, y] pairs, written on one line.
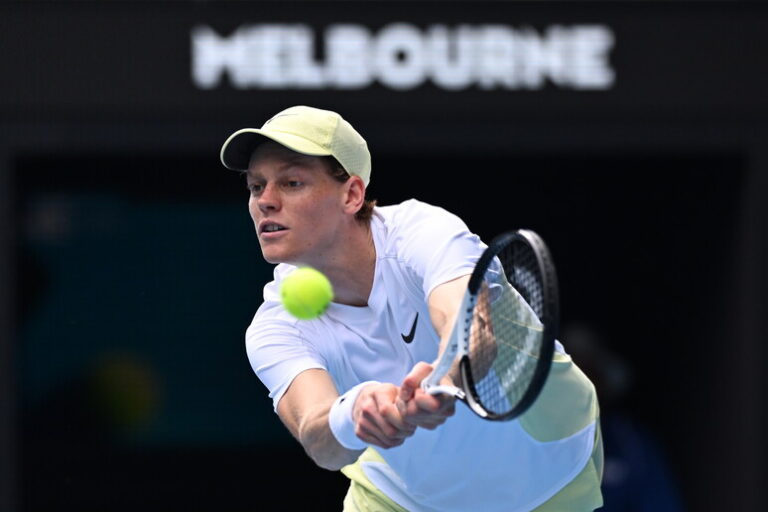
{"points": [[255, 188]]}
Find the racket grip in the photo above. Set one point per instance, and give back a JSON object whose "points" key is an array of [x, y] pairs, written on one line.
{"points": [[444, 388]]}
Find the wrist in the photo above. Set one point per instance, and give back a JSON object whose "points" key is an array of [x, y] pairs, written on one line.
{"points": [[340, 418]]}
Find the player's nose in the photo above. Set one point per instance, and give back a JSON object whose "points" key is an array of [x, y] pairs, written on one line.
{"points": [[269, 199]]}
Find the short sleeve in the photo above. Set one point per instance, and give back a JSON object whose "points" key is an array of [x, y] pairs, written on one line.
{"points": [[435, 244], [278, 352]]}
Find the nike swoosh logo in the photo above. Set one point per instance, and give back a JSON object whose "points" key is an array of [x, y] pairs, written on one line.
{"points": [[409, 337]]}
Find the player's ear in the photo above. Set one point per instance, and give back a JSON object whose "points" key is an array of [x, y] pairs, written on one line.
{"points": [[354, 194]]}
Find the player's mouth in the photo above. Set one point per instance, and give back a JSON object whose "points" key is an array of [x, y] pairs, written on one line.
{"points": [[269, 229]]}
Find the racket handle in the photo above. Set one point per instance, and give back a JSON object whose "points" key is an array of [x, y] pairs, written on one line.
{"points": [[444, 388], [454, 347]]}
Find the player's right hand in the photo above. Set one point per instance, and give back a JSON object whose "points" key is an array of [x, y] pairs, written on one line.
{"points": [[378, 421], [420, 408]]}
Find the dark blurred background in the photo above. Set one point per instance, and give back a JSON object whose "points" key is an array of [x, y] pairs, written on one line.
{"points": [[632, 135]]}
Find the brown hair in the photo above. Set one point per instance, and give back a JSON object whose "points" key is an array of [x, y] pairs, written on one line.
{"points": [[337, 172]]}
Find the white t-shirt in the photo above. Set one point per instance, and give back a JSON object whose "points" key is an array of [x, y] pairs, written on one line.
{"points": [[454, 467]]}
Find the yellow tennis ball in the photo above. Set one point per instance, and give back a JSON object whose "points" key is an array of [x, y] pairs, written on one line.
{"points": [[306, 293]]}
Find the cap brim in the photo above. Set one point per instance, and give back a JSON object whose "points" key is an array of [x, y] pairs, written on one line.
{"points": [[239, 147]]}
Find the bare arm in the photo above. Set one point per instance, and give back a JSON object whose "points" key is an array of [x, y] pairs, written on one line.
{"points": [[444, 302], [305, 406]]}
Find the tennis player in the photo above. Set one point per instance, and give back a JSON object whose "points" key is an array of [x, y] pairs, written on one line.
{"points": [[346, 385]]}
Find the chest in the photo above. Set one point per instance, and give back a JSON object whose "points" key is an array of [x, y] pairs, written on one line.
{"points": [[386, 339]]}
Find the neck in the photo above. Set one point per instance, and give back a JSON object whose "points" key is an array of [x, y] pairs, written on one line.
{"points": [[352, 269]]}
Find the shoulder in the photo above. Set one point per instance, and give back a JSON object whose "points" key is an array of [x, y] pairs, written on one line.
{"points": [[274, 336], [272, 324], [272, 317], [411, 210], [414, 223], [425, 244]]}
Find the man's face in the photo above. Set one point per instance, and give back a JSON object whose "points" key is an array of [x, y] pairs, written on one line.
{"points": [[295, 205]]}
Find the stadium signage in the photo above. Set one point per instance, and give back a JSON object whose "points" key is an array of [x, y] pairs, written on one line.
{"points": [[402, 56]]}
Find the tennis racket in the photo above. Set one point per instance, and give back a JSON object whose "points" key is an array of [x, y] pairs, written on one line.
{"points": [[501, 347]]}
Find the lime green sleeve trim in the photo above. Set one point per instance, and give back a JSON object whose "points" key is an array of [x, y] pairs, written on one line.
{"points": [[566, 405]]}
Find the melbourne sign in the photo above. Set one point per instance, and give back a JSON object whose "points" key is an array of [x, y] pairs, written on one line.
{"points": [[402, 56]]}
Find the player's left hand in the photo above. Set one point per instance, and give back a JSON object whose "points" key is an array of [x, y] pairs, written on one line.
{"points": [[420, 408]]}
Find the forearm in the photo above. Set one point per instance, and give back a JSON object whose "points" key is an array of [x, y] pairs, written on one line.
{"points": [[305, 410], [334, 429], [443, 305], [315, 435]]}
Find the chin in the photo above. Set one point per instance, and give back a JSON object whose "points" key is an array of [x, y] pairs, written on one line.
{"points": [[272, 258], [276, 257]]}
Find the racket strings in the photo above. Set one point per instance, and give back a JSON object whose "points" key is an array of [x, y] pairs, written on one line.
{"points": [[506, 335]]}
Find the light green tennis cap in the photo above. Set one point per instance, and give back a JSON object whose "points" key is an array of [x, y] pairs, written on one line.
{"points": [[306, 130]]}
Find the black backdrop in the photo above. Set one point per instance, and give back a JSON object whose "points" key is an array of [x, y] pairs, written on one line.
{"points": [[132, 270]]}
